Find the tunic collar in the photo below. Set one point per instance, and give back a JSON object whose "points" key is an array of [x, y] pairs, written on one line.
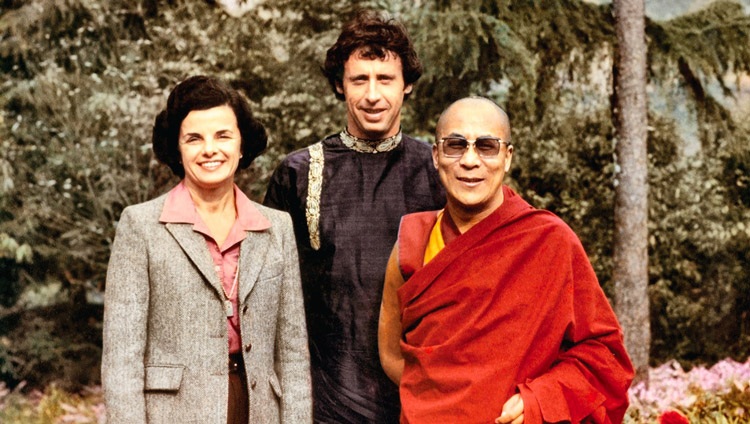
{"points": [[370, 146]]}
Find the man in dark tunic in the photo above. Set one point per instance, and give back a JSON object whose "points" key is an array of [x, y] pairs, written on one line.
{"points": [[346, 195]]}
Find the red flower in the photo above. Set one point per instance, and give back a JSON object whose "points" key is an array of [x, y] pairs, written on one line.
{"points": [[673, 417]]}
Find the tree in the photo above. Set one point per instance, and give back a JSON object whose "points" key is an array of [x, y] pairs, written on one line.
{"points": [[630, 271]]}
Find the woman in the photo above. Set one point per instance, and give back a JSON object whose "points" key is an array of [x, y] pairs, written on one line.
{"points": [[203, 317]]}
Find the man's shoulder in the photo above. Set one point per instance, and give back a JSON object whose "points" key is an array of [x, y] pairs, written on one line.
{"points": [[301, 157], [296, 158], [417, 224], [516, 212], [424, 216], [417, 145], [548, 225]]}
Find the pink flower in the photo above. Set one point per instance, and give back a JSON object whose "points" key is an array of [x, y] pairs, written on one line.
{"points": [[673, 417]]}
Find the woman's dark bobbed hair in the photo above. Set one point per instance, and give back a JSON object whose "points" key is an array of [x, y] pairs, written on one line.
{"points": [[201, 93]]}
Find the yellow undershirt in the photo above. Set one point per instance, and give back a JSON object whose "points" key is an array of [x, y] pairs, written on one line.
{"points": [[436, 242]]}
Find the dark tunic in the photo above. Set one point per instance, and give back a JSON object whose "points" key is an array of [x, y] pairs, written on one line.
{"points": [[363, 198]]}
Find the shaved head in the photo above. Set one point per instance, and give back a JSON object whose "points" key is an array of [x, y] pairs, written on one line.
{"points": [[473, 180], [466, 105]]}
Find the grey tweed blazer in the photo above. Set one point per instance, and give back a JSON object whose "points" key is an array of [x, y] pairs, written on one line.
{"points": [[165, 347]]}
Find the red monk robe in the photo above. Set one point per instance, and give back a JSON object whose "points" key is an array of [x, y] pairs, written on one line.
{"points": [[513, 305]]}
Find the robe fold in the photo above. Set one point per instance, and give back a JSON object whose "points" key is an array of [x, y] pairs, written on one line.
{"points": [[510, 306]]}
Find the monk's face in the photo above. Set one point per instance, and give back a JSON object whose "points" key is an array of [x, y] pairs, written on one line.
{"points": [[473, 180]]}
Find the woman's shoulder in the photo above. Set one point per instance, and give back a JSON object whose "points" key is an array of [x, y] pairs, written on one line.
{"points": [[273, 215], [281, 222], [146, 210]]}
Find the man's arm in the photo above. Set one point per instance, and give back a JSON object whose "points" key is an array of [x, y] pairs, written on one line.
{"points": [[275, 194], [389, 326], [590, 378], [281, 188]]}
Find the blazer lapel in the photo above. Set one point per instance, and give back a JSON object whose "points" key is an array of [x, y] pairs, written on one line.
{"points": [[194, 246], [253, 252]]}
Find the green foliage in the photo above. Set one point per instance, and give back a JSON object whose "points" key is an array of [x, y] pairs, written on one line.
{"points": [[495, 48], [11, 255], [699, 274], [705, 48], [464, 52], [708, 41], [58, 343]]}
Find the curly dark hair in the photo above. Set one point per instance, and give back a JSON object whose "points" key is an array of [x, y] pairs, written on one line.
{"points": [[378, 34], [201, 93]]}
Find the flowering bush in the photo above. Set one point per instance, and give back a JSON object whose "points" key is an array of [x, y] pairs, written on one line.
{"points": [[719, 394], [673, 417], [53, 406]]}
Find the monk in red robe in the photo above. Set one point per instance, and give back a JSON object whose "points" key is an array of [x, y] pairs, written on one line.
{"points": [[491, 310]]}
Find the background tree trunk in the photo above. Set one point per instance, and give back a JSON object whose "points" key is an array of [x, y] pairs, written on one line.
{"points": [[630, 273]]}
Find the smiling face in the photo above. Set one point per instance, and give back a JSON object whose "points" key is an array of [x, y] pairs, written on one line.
{"points": [[374, 91], [473, 184], [209, 144]]}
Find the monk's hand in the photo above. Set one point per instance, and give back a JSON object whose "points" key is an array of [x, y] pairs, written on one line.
{"points": [[512, 411]]}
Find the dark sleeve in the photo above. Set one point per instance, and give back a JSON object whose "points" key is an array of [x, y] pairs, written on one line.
{"points": [[281, 193], [438, 192], [287, 191], [425, 191]]}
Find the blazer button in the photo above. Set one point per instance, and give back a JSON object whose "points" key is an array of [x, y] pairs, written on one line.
{"points": [[248, 347], [253, 384]]}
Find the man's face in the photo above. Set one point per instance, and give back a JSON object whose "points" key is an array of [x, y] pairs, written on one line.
{"points": [[473, 183], [374, 92]]}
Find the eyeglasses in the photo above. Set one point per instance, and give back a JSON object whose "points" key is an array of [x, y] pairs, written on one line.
{"points": [[486, 147]]}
